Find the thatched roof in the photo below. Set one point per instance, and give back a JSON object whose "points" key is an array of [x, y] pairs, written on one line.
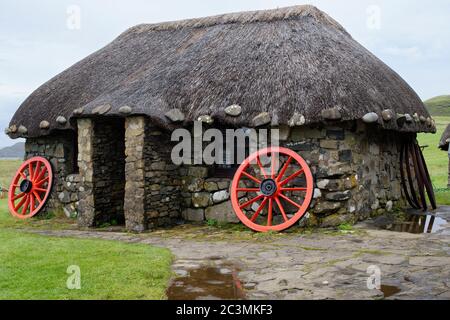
{"points": [[445, 139], [290, 62]]}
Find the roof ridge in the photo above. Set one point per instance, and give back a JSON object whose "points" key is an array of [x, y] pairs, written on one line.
{"points": [[267, 15]]}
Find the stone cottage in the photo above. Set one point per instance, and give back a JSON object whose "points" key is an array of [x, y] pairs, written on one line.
{"points": [[444, 145], [105, 123]]}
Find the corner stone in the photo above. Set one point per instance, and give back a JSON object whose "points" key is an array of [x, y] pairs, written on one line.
{"points": [[222, 212], [194, 215]]}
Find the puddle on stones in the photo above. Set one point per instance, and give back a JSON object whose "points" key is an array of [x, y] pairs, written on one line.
{"points": [[418, 224], [389, 291], [207, 282]]}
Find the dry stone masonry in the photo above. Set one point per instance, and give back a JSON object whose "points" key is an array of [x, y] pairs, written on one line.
{"points": [[356, 168], [162, 180], [102, 171], [152, 181], [59, 150], [126, 174]]}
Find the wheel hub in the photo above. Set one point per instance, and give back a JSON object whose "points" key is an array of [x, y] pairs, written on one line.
{"points": [[25, 186], [268, 187]]}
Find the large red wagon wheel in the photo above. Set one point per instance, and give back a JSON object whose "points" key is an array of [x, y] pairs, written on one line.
{"points": [[272, 195], [30, 188]]}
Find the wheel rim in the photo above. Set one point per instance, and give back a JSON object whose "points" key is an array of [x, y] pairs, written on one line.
{"points": [[272, 195], [30, 188]]}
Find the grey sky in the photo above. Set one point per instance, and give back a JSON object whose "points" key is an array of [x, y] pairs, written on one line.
{"points": [[36, 44]]}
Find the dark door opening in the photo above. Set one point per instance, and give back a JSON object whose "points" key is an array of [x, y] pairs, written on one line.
{"points": [[109, 171]]}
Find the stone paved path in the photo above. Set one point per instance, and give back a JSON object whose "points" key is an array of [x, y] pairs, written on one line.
{"points": [[316, 265]]}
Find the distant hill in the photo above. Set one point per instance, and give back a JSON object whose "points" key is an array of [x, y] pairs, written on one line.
{"points": [[439, 106], [16, 151]]}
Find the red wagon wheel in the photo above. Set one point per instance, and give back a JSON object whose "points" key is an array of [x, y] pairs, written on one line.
{"points": [[274, 194], [30, 188]]}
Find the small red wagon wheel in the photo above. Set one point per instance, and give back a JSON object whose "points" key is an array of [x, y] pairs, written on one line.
{"points": [[272, 189], [30, 188]]}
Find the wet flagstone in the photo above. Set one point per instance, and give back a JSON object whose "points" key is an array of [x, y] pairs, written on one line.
{"points": [[308, 265]]}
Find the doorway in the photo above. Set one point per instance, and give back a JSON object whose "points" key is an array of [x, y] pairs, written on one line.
{"points": [[109, 171]]}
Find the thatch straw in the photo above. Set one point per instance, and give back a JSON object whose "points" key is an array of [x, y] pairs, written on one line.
{"points": [[288, 61]]}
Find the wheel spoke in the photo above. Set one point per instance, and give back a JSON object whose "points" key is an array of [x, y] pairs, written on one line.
{"points": [[39, 183], [295, 175], [270, 213], [30, 170], [290, 201], [245, 205], [40, 175], [285, 167], [32, 203], [38, 198], [23, 175], [260, 209], [263, 171], [251, 177], [18, 196], [40, 189], [248, 190], [20, 204], [25, 207], [275, 165], [37, 171], [283, 213]]}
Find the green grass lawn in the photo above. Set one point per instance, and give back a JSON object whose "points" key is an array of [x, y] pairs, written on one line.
{"points": [[49, 222], [7, 170], [35, 267], [437, 160]]}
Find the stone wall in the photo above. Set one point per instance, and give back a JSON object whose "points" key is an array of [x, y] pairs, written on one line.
{"points": [[134, 206], [152, 196], [125, 173], [356, 170], [162, 180], [109, 170], [59, 149], [69, 196], [205, 197], [102, 171], [86, 211]]}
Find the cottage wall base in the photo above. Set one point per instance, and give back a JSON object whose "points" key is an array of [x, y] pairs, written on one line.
{"points": [[130, 176], [102, 172], [59, 150], [356, 170], [162, 180], [86, 207], [152, 183], [134, 174]]}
